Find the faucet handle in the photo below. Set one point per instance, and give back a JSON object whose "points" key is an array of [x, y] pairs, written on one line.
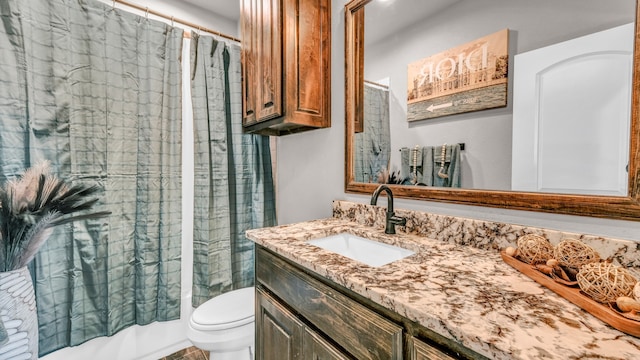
{"points": [[398, 220], [392, 221]]}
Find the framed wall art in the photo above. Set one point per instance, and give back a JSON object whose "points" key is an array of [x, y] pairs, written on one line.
{"points": [[466, 78]]}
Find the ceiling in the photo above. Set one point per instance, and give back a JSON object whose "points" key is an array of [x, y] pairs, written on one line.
{"points": [[394, 14], [229, 9]]}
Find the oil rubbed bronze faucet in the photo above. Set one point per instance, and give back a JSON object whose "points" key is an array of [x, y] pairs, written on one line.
{"points": [[392, 219]]}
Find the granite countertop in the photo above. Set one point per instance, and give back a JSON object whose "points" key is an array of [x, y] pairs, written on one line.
{"points": [[461, 292]]}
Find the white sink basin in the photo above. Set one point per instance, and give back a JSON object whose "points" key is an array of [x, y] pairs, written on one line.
{"points": [[367, 251]]}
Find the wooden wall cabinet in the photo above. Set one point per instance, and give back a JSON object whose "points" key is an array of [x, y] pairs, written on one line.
{"points": [[286, 65], [301, 316]]}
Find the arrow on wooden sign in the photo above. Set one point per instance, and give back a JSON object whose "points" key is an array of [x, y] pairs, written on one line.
{"points": [[432, 107]]}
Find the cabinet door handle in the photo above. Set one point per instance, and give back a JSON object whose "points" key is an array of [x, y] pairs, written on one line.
{"points": [[268, 104]]}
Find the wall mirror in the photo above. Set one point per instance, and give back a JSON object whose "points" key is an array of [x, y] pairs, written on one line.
{"points": [[377, 55]]}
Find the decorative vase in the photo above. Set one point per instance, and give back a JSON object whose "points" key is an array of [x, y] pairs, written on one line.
{"points": [[18, 315]]}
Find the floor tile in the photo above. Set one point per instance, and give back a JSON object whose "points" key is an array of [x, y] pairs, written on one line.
{"points": [[191, 353]]}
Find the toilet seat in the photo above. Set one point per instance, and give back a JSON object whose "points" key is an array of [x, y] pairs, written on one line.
{"points": [[227, 311]]}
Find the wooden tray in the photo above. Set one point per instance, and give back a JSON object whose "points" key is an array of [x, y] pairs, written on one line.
{"points": [[601, 311]]}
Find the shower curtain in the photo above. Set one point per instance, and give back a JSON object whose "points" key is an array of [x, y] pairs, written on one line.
{"points": [[233, 180], [97, 92], [372, 147]]}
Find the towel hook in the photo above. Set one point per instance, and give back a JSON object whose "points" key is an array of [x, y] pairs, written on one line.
{"points": [[414, 152], [443, 153]]}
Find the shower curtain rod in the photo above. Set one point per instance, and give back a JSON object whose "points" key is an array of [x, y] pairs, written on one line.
{"points": [[173, 19], [376, 84]]}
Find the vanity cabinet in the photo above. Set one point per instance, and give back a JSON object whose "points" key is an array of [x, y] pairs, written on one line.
{"points": [[299, 313], [282, 336], [286, 54]]}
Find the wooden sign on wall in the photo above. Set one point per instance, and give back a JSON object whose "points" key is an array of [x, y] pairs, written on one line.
{"points": [[466, 78]]}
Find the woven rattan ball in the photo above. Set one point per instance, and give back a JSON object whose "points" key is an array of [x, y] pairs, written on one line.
{"points": [[605, 282], [573, 254], [534, 248]]}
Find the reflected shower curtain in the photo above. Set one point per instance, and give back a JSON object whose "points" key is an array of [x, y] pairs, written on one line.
{"points": [[233, 180], [372, 147], [96, 91]]}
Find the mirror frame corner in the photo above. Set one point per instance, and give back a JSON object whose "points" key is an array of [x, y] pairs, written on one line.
{"points": [[612, 207]]}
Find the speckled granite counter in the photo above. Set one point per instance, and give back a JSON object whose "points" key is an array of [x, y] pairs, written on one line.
{"points": [[463, 292]]}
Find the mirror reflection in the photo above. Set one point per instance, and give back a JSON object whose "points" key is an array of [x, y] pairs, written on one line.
{"points": [[565, 128]]}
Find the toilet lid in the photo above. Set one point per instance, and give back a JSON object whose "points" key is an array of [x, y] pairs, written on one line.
{"points": [[229, 310]]}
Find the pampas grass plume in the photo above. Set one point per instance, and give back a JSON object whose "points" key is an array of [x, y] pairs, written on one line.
{"points": [[31, 205]]}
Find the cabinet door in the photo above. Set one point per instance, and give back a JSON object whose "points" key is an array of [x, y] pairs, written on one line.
{"points": [[307, 49], [357, 329], [422, 351], [278, 333], [269, 81], [317, 348], [261, 25], [249, 39]]}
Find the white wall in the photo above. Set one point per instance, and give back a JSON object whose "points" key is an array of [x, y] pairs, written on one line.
{"points": [[311, 165]]}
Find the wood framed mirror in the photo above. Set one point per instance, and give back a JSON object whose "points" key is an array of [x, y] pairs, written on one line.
{"points": [[604, 206]]}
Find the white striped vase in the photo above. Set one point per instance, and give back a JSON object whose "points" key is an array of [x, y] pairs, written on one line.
{"points": [[18, 315]]}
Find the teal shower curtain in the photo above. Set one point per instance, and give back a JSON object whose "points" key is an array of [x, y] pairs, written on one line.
{"points": [[97, 92], [233, 180], [372, 147]]}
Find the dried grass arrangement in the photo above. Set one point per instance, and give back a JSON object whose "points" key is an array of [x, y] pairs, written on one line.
{"points": [[573, 253], [605, 282], [31, 205], [534, 249]]}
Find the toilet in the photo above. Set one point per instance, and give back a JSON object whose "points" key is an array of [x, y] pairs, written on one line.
{"points": [[224, 325]]}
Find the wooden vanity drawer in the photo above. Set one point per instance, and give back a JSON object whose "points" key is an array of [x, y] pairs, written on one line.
{"points": [[358, 330], [420, 350]]}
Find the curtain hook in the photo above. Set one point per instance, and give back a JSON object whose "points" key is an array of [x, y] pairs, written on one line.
{"points": [[172, 21], [146, 12], [114, 4]]}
